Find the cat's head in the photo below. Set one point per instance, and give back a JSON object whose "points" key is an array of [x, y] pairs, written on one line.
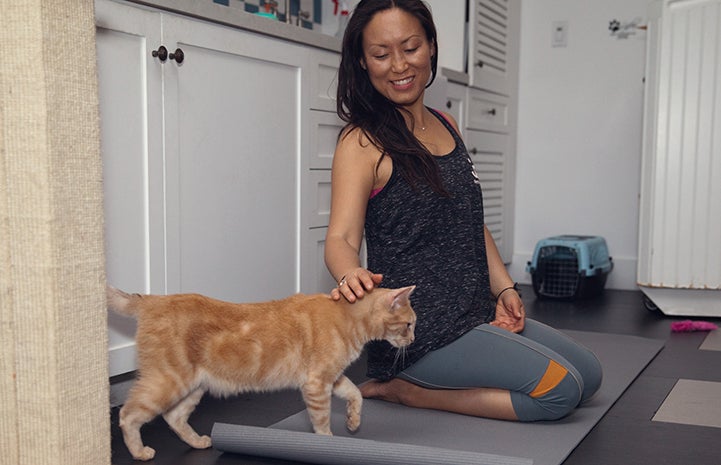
{"points": [[399, 319]]}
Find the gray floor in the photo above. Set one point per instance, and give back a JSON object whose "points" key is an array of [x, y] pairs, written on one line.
{"points": [[627, 434]]}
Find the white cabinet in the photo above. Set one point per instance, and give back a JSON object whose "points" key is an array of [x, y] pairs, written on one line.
{"points": [[491, 142], [202, 159], [324, 125], [494, 41]]}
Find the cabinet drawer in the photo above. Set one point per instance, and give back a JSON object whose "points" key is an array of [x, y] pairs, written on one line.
{"points": [[318, 200], [324, 130], [324, 81], [487, 112]]}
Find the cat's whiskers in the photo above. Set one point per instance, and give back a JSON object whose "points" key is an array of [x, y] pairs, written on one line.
{"points": [[400, 354]]}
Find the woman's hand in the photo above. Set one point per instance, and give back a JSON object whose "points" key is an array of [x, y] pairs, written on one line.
{"points": [[355, 284], [510, 313]]}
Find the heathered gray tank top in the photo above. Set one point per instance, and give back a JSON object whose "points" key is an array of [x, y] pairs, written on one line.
{"points": [[435, 242]]}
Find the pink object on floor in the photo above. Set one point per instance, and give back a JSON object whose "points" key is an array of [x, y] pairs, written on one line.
{"points": [[687, 326]]}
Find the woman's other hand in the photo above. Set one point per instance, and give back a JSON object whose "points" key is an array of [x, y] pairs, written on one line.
{"points": [[510, 313]]}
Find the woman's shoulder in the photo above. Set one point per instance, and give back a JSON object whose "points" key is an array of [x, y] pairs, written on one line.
{"points": [[354, 141]]}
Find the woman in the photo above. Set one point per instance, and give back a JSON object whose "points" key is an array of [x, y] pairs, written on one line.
{"points": [[402, 175]]}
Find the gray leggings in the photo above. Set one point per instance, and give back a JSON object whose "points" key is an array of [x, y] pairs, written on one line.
{"points": [[547, 373]]}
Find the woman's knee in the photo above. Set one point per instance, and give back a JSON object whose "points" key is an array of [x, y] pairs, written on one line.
{"points": [[558, 402], [592, 373]]}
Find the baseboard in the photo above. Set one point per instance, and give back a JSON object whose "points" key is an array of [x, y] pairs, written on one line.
{"points": [[119, 387], [122, 359]]}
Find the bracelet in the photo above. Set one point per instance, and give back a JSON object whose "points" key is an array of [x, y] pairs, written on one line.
{"points": [[514, 287]]}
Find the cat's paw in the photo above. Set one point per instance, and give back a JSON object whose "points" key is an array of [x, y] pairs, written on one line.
{"points": [[147, 453], [203, 442], [352, 422]]}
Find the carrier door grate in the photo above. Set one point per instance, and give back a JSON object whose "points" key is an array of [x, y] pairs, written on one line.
{"points": [[558, 271]]}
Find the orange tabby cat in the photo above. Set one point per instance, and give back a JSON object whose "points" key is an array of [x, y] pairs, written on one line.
{"points": [[188, 344]]}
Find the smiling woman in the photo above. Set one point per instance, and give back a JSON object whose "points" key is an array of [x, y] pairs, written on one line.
{"points": [[403, 180]]}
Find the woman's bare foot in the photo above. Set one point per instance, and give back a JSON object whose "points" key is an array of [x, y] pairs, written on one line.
{"points": [[396, 390], [479, 402]]}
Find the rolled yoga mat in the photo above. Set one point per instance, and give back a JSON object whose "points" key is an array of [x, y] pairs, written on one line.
{"points": [[334, 450], [545, 443]]}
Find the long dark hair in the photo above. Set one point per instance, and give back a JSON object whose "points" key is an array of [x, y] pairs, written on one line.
{"points": [[360, 105]]}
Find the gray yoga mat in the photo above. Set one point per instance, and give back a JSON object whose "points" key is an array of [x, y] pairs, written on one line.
{"points": [[335, 450], [545, 443]]}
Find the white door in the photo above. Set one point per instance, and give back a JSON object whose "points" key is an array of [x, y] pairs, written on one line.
{"points": [[494, 30]]}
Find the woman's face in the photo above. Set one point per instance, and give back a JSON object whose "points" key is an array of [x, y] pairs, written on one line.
{"points": [[397, 56]]}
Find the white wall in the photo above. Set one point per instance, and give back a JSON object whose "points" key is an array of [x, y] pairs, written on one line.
{"points": [[450, 17], [579, 130]]}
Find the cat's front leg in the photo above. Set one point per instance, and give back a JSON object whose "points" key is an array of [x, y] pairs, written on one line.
{"points": [[345, 389], [316, 394]]}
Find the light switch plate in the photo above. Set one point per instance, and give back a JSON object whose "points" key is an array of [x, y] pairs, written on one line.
{"points": [[559, 34]]}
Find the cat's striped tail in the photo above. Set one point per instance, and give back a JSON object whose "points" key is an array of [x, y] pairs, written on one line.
{"points": [[121, 302]]}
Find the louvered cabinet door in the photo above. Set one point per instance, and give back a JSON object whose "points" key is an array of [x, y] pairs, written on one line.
{"points": [[494, 46]]}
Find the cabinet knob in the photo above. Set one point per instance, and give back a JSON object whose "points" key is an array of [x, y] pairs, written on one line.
{"points": [[178, 55], [492, 112], [480, 63], [449, 104], [473, 151], [161, 53]]}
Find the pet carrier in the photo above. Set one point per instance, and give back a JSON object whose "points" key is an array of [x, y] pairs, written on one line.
{"points": [[569, 267]]}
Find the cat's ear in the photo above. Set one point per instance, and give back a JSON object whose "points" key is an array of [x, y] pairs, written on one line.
{"points": [[400, 297]]}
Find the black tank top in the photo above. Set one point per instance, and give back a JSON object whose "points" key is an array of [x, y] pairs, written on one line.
{"points": [[418, 236]]}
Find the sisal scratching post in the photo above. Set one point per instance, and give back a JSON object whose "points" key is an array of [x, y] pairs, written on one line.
{"points": [[53, 335]]}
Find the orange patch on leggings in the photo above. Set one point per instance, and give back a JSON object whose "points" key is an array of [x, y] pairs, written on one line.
{"points": [[554, 374]]}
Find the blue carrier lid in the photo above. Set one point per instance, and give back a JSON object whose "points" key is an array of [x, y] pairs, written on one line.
{"points": [[591, 252]]}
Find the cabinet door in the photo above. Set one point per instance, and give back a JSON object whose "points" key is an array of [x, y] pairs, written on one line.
{"points": [[232, 129], [489, 152], [494, 29], [130, 99]]}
